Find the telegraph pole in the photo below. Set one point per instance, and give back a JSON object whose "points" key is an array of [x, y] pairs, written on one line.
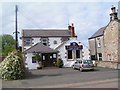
{"points": [[16, 27]]}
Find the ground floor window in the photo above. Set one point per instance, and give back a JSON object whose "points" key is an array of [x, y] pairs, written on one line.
{"points": [[77, 53], [73, 54], [33, 60], [93, 57], [100, 56], [69, 54], [54, 56]]}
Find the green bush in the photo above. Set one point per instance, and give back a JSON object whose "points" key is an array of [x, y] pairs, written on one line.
{"points": [[12, 67], [59, 63]]}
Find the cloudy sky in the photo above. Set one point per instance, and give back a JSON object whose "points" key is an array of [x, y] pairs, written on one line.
{"points": [[87, 17]]}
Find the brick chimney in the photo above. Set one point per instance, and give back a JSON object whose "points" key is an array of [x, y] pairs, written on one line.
{"points": [[113, 15], [72, 31]]}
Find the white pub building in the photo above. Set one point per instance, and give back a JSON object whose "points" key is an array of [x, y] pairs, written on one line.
{"points": [[52, 44]]}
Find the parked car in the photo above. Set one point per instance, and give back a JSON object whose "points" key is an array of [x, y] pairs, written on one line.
{"points": [[83, 65]]}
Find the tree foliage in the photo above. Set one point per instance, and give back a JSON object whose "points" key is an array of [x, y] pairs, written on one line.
{"points": [[59, 62], [7, 44], [12, 67]]}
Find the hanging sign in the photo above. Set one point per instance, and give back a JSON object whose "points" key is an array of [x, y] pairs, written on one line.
{"points": [[74, 46]]}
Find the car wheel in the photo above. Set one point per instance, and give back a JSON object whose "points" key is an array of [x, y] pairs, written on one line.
{"points": [[81, 69], [73, 67]]}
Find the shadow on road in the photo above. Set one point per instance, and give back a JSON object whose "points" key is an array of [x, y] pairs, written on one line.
{"points": [[30, 75], [95, 70]]}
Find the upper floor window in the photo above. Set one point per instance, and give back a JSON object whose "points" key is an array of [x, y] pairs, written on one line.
{"points": [[65, 39], [55, 42], [27, 41], [44, 41], [98, 42]]}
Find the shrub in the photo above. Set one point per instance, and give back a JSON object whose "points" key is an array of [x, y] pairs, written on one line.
{"points": [[59, 63], [12, 67]]}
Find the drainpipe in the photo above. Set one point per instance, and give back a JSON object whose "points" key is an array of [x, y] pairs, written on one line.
{"points": [[96, 49]]}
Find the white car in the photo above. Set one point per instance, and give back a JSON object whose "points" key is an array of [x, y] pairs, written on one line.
{"points": [[83, 65]]}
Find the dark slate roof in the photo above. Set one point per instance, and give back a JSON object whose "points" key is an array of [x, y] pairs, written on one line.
{"points": [[46, 33], [39, 47], [98, 33]]}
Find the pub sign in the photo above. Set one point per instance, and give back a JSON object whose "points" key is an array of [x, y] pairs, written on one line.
{"points": [[74, 46]]}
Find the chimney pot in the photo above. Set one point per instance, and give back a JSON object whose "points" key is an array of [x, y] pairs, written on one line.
{"points": [[72, 25], [69, 27], [113, 9]]}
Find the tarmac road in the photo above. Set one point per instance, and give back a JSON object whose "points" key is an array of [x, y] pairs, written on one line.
{"points": [[67, 78]]}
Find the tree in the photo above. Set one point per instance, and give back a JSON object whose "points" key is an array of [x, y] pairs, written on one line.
{"points": [[12, 67], [7, 44]]}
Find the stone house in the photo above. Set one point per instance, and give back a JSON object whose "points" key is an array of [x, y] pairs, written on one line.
{"points": [[104, 44], [96, 45]]}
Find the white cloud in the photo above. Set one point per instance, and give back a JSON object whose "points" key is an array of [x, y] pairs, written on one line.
{"points": [[87, 17]]}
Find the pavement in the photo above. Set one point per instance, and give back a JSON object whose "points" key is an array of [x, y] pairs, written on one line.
{"points": [[67, 78]]}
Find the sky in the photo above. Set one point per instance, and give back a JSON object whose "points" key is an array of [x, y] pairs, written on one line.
{"points": [[87, 17]]}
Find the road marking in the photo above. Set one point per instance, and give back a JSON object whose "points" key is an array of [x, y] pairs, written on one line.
{"points": [[80, 83]]}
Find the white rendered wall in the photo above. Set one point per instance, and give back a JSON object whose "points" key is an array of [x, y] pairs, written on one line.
{"points": [[30, 65], [86, 52], [26, 47], [63, 53], [35, 40], [51, 42]]}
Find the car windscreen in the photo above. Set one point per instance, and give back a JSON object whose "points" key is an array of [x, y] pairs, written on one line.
{"points": [[87, 62]]}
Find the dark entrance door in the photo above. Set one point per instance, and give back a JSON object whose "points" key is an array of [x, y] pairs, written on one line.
{"points": [[47, 60]]}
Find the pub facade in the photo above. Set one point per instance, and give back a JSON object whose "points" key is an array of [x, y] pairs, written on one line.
{"points": [[52, 44]]}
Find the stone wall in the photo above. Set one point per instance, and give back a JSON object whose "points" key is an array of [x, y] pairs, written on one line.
{"points": [[111, 42], [108, 64]]}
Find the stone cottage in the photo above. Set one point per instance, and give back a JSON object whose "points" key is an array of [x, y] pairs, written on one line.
{"points": [[104, 44]]}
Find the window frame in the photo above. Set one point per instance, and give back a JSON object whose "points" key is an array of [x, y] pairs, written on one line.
{"points": [[55, 42], [28, 40], [34, 59], [77, 54], [68, 55]]}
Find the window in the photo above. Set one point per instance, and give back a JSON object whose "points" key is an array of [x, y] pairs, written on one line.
{"points": [[28, 41], [65, 39], [69, 54], [54, 56], [50, 57], [80, 62], [55, 42], [77, 53], [93, 57], [100, 56], [43, 57], [87, 61], [33, 60], [44, 41], [98, 42]]}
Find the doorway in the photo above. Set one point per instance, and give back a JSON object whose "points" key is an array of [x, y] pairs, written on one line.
{"points": [[48, 60]]}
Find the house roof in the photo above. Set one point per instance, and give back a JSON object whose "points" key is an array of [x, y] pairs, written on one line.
{"points": [[100, 32], [39, 47], [46, 33]]}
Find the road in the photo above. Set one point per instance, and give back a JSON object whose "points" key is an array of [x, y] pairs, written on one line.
{"points": [[67, 78]]}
